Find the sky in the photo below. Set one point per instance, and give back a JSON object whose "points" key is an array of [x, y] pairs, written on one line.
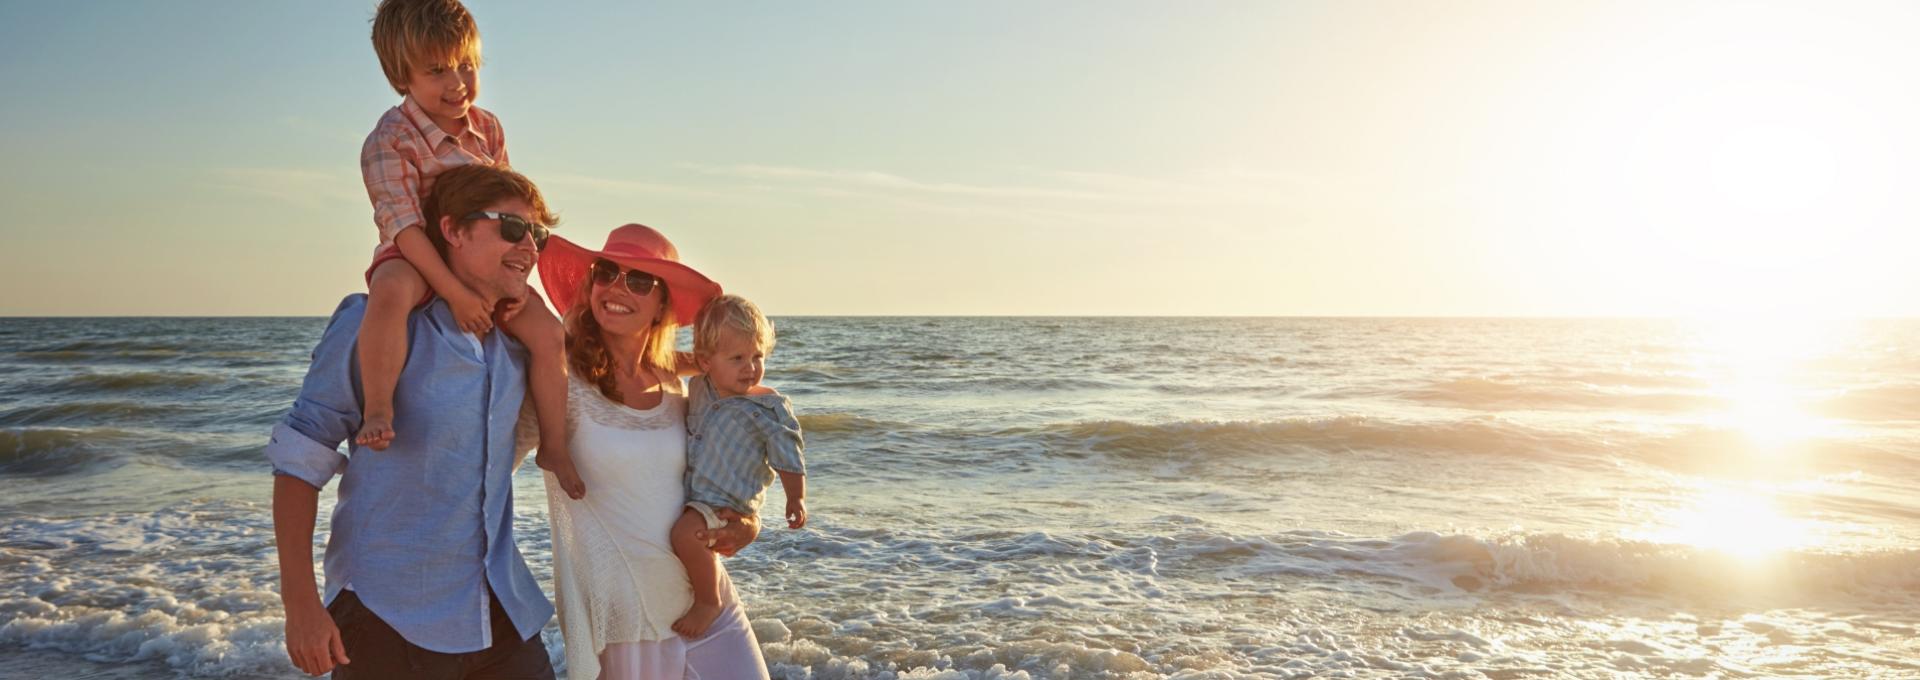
{"points": [[1011, 158]]}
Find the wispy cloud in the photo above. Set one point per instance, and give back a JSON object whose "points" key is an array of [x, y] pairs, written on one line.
{"points": [[1056, 187], [871, 179], [1198, 187], [298, 186], [313, 128], [1052, 199], [625, 187]]}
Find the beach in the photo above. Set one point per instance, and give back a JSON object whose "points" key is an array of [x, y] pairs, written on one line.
{"points": [[1026, 497]]}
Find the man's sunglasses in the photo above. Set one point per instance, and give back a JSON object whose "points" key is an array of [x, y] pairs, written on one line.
{"points": [[514, 227], [605, 272]]}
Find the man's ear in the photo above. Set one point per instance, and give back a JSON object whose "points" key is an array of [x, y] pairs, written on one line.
{"points": [[455, 236]]}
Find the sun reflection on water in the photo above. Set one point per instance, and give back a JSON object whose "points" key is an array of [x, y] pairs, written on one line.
{"points": [[1758, 369], [1745, 522]]}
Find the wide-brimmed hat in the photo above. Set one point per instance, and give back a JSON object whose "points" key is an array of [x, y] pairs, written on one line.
{"points": [[564, 264]]}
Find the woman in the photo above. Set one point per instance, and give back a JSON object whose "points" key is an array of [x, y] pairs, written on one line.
{"points": [[616, 581]]}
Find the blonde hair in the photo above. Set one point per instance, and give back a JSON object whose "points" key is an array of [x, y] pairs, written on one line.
{"points": [[409, 33], [730, 314], [587, 354]]}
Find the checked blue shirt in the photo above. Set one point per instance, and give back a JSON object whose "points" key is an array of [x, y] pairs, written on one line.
{"points": [[735, 444]]}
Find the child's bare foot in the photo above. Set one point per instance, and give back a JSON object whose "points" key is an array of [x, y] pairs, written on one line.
{"points": [[376, 432], [695, 623], [561, 466]]}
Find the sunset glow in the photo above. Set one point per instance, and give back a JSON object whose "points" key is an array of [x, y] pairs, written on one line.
{"points": [[1317, 159]]}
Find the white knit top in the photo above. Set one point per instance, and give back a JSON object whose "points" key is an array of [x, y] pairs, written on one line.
{"points": [[615, 578]]}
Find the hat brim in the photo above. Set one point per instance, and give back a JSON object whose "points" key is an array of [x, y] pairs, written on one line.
{"points": [[564, 264]]}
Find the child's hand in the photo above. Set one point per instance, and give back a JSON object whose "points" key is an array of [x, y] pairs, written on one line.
{"points": [[508, 309], [471, 312], [796, 513]]}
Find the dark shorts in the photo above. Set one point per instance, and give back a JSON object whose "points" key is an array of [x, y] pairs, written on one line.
{"points": [[378, 651]]}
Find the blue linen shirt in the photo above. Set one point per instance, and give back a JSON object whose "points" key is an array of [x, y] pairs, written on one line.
{"points": [[423, 530]]}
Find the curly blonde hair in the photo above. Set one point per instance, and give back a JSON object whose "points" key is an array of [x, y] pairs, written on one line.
{"points": [[587, 354], [730, 314]]}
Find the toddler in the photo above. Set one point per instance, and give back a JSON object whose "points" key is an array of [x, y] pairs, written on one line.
{"points": [[740, 433]]}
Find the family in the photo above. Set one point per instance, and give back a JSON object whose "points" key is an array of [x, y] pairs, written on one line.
{"points": [[450, 370]]}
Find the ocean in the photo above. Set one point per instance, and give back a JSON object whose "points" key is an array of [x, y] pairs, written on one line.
{"points": [[1103, 498]]}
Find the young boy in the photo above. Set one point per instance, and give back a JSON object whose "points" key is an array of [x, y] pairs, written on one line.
{"points": [[740, 434], [430, 51]]}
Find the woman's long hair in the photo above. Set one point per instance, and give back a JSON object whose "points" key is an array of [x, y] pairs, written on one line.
{"points": [[587, 353]]}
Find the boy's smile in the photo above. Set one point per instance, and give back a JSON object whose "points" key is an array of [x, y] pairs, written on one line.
{"points": [[445, 92]]}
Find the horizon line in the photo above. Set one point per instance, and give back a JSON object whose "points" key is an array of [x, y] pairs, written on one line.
{"points": [[1463, 317]]}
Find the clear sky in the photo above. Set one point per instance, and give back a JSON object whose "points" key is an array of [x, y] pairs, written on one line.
{"points": [[1100, 157]]}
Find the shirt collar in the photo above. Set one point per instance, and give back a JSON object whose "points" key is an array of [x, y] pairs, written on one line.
{"points": [[433, 132]]}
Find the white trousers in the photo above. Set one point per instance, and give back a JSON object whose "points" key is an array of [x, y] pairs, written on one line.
{"points": [[727, 652]]}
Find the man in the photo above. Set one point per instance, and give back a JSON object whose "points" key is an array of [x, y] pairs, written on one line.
{"points": [[423, 577]]}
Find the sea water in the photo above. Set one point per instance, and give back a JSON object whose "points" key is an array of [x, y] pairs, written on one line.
{"points": [[1103, 498]]}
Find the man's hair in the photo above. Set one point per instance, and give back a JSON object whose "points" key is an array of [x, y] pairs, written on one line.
{"points": [[467, 189], [726, 315], [409, 33]]}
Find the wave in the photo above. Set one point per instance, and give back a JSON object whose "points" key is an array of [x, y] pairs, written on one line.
{"points": [[1722, 451], [37, 452], [1881, 402], [1430, 563], [186, 589], [60, 356], [84, 412], [807, 373], [1549, 562], [1733, 451], [136, 345], [1488, 393], [136, 380], [1667, 379], [1342, 433], [847, 423], [975, 384]]}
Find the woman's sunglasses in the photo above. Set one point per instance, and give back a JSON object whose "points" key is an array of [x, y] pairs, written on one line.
{"points": [[605, 272], [514, 227]]}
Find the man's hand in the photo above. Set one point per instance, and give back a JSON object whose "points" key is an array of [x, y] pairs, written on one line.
{"points": [[313, 642], [738, 532], [470, 311]]}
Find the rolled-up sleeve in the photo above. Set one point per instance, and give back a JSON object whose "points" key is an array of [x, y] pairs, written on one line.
{"points": [[305, 443], [783, 441], [294, 455], [393, 184]]}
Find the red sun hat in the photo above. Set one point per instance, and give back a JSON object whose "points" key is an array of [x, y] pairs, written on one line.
{"points": [[564, 264]]}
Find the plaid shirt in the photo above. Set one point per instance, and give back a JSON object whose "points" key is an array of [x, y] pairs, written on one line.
{"points": [[735, 444], [406, 150]]}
